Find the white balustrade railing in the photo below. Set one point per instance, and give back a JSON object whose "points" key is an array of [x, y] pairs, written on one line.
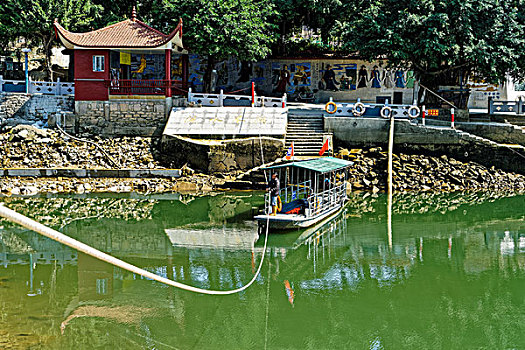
{"points": [[348, 109], [221, 100], [39, 87]]}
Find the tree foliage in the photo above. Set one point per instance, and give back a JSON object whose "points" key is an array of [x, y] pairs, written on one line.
{"points": [[33, 20], [220, 29], [442, 41]]}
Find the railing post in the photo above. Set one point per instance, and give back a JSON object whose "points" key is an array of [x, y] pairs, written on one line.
{"points": [[221, 98], [520, 106], [58, 90], [424, 113], [452, 118], [253, 94], [189, 95], [491, 105]]}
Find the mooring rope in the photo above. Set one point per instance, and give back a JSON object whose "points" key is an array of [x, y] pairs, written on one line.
{"points": [[48, 232], [84, 140]]}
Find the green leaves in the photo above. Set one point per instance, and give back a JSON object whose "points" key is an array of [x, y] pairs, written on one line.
{"points": [[439, 39], [239, 28], [443, 38]]}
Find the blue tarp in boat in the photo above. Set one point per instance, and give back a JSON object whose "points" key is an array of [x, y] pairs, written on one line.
{"points": [[294, 207]]}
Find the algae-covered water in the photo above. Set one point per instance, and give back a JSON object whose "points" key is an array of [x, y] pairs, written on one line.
{"points": [[451, 275]]}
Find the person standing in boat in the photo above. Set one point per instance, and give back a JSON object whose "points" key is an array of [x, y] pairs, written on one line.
{"points": [[273, 187]]}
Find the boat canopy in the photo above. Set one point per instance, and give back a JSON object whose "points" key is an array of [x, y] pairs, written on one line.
{"points": [[320, 165]]}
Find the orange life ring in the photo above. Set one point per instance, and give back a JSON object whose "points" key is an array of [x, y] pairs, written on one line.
{"points": [[279, 204], [327, 107]]}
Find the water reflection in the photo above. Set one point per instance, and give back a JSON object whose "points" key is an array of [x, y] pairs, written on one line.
{"points": [[454, 273]]}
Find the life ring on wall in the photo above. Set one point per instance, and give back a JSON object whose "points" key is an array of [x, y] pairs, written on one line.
{"points": [[330, 107], [386, 112], [413, 112], [279, 204], [358, 109]]}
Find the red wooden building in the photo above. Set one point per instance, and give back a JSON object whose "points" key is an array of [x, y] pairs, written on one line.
{"points": [[126, 58]]}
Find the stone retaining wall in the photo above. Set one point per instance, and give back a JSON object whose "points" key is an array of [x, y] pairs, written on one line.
{"points": [[121, 117], [220, 156], [20, 108], [410, 137], [499, 132]]}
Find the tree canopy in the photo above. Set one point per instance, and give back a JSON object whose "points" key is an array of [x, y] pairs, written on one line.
{"points": [[33, 20], [220, 29], [445, 42]]}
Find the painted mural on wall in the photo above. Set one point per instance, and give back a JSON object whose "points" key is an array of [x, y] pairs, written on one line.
{"points": [[145, 66], [291, 78], [337, 77], [196, 71], [340, 78]]}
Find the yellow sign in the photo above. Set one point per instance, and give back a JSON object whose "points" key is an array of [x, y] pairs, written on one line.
{"points": [[125, 58], [433, 112]]}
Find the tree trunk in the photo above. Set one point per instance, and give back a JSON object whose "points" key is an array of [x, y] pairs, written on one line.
{"points": [[208, 74], [47, 54]]}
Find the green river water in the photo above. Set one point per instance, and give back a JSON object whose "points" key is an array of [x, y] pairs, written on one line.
{"points": [[450, 276]]}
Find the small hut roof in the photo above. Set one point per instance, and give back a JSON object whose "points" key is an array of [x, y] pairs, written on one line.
{"points": [[130, 33]]}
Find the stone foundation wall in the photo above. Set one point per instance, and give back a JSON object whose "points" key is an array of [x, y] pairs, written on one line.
{"points": [[134, 117], [408, 137], [20, 108], [216, 156]]}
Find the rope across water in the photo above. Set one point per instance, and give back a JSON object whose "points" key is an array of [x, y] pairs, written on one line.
{"points": [[31, 224]]}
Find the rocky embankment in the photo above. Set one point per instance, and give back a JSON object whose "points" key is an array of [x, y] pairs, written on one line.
{"points": [[423, 172], [29, 147]]}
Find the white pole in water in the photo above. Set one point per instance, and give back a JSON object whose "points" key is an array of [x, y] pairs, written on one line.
{"points": [[452, 118], [390, 185]]}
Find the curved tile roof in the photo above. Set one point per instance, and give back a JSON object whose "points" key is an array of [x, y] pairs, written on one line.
{"points": [[130, 33]]}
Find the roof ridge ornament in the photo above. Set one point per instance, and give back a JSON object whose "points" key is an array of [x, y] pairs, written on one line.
{"points": [[134, 14]]}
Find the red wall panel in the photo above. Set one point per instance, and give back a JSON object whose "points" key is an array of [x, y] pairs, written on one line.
{"points": [[89, 85]]}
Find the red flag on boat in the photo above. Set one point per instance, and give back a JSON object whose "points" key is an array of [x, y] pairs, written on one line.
{"points": [[289, 153], [324, 148]]}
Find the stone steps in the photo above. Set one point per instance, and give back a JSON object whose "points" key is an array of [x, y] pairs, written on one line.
{"points": [[306, 131]]}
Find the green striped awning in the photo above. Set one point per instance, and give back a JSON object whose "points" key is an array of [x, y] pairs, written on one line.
{"points": [[320, 165]]}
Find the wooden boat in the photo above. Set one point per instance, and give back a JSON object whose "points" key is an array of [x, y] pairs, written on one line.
{"points": [[311, 190]]}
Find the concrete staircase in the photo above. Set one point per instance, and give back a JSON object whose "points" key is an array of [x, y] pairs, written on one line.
{"points": [[305, 129]]}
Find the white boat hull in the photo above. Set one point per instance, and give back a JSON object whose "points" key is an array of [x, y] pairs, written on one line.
{"points": [[293, 221]]}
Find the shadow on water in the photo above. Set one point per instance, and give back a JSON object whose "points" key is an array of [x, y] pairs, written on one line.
{"points": [[453, 276]]}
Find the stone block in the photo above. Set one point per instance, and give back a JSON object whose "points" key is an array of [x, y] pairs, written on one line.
{"points": [[159, 108]]}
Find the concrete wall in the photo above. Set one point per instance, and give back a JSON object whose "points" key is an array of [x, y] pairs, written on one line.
{"points": [[408, 137], [121, 117], [498, 132], [18, 108], [216, 156]]}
